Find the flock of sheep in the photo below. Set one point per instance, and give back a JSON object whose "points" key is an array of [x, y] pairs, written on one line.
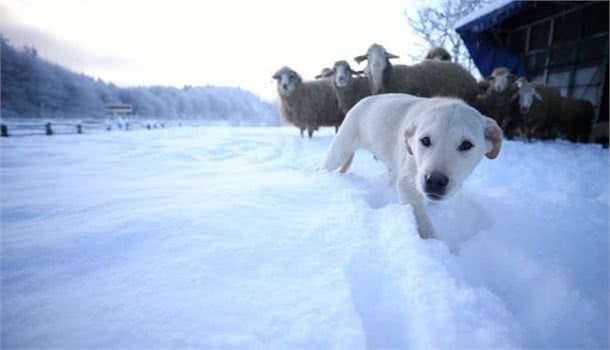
{"points": [[523, 109]]}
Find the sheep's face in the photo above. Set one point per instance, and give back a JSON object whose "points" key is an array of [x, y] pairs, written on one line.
{"points": [[378, 62], [500, 82], [526, 95], [447, 145], [287, 81], [343, 75]]}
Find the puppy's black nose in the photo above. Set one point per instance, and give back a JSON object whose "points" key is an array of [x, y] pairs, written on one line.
{"points": [[436, 183]]}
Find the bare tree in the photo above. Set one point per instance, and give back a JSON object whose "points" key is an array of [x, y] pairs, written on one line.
{"points": [[435, 24]]}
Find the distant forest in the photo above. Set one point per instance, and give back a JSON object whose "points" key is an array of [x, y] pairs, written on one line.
{"points": [[34, 87]]}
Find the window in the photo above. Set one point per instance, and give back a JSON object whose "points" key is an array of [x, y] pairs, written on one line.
{"points": [[562, 56], [539, 37], [517, 41], [595, 19], [593, 49], [566, 28], [536, 63]]}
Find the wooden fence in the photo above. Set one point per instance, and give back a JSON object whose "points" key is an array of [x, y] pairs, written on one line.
{"points": [[33, 127]]}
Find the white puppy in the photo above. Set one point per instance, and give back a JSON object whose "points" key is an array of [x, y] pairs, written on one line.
{"points": [[429, 145]]}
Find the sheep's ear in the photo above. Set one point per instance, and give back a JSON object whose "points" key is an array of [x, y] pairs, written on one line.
{"points": [[537, 95], [409, 132], [515, 96], [325, 73], [360, 58], [276, 75], [390, 55], [493, 136]]}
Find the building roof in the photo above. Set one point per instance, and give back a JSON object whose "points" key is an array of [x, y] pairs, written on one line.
{"points": [[484, 49], [489, 15]]}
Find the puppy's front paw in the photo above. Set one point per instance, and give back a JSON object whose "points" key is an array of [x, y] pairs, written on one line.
{"points": [[425, 230]]}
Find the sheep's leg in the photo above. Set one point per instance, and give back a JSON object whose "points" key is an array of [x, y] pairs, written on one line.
{"points": [[409, 195], [336, 129], [302, 131], [309, 132]]}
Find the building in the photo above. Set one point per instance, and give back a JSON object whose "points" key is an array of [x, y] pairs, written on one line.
{"points": [[560, 43], [119, 109]]}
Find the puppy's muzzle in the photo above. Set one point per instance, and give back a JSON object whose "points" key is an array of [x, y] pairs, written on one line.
{"points": [[435, 185]]}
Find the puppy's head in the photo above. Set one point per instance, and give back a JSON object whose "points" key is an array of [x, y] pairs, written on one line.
{"points": [[287, 81], [447, 142]]}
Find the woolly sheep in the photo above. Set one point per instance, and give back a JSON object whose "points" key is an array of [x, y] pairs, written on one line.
{"points": [[500, 79], [575, 119], [439, 54], [348, 88], [307, 104], [499, 107], [538, 108], [427, 79]]}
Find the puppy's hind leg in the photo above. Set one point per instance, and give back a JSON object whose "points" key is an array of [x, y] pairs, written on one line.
{"points": [[346, 165], [341, 151]]}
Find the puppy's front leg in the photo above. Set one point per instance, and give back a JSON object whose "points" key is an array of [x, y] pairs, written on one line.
{"points": [[409, 195]]}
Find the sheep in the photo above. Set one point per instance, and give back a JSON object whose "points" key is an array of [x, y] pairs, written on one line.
{"points": [[427, 79], [575, 119], [500, 79], [499, 107], [538, 108], [599, 133], [307, 104], [348, 89], [439, 54]]}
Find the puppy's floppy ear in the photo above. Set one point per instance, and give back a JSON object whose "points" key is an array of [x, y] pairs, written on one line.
{"points": [[409, 132], [493, 136]]}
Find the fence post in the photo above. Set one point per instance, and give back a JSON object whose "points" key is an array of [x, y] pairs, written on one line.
{"points": [[48, 129], [79, 129], [3, 130]]}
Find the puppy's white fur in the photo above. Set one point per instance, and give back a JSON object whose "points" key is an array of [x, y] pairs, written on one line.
{"points": [[391, 126]]}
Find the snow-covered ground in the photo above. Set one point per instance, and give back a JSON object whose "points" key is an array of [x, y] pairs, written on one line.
{"points": [[227, 238]]}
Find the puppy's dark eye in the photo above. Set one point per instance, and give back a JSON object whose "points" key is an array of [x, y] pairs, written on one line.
{"points": [[465, 146], [425, 141]]}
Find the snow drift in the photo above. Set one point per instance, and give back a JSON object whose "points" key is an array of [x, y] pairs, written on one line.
{"points": [[227, 237]]}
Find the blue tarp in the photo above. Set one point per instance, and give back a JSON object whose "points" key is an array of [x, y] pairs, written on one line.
{"points": [[484, 49]]}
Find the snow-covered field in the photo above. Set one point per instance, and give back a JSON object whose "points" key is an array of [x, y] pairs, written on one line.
{"points": [[227, 238]]}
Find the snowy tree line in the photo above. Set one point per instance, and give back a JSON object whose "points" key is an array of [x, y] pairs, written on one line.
{"points": [[34, 87], [434, 22]]}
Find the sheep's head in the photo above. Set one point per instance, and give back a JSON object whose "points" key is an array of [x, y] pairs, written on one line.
{"points": [[287, 81], [342, 74], [378, 62], [438, 54], [526, 93], [500, 79]]}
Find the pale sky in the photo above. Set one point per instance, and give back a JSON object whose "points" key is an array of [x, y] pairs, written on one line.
{"points": [[227, 42]]}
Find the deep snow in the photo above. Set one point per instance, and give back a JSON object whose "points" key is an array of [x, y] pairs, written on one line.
{"points": [[227, 237]]}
